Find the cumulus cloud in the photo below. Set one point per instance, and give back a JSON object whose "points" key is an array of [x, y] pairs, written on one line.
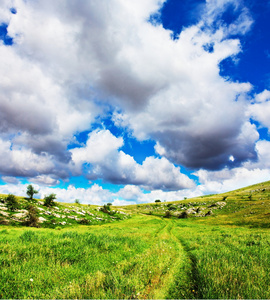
{"points": [[130, 192], [103, 159], [70, 61], [260, 109]]}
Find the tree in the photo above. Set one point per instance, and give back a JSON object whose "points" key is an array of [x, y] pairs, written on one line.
{"points": [[77, 201], [49, 200], [31, 191], [157, 200], [12, 203]]}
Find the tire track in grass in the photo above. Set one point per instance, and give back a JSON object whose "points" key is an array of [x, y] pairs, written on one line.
{"points": [[177, 281], [186, 280]]}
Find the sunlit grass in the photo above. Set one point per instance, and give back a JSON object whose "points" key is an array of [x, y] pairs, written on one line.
{"points": [[222, 256]]}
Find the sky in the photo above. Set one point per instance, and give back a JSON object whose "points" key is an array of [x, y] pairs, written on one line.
{"points": [[127, 101]]}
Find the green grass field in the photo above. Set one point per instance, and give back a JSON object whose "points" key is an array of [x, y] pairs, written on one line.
{"points": [[224, 255]]}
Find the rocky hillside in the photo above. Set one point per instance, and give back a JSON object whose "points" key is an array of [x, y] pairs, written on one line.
{"points": [[35, 213]]}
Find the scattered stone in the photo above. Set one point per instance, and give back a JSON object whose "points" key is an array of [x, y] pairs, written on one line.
{"points": [[40, 208], [80, 213], [90, 214], [41, 220], [3, 208], [20, 215], [56, 215], [191, 211], [63, 223], [5, 214]]}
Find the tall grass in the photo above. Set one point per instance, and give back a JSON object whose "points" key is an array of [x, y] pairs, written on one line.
{"points": [[228, 263], [145, 257], [117, 261]]}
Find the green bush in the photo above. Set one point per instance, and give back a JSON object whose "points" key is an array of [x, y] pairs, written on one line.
{"points": [[106, 209], [168, 214], [11, 202], [183, 215], [49, 200], [32, 217], [172, 207]]}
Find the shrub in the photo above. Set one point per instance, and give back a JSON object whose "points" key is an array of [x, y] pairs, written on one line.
{"points": [[11, 202], [168, 214], [172, 207], [157, 201], [49, 200], [106, 209], [84, 222], [32, 217], [183, 215]]}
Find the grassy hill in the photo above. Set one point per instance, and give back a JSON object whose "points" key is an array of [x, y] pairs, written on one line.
{"points": [[59, 215], [210, 247], [249, 206]]}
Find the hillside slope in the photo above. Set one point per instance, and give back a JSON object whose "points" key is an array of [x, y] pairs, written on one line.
{"points": [[60, 214], [249, 206]]}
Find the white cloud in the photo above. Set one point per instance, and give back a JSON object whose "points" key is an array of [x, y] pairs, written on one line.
{"points": [[231, 179], [44, 180], [10, 179], [107, 162], [130, 192], [260, 109], [70, 60]]}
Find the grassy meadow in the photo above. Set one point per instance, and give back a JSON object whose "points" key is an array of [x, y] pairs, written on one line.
{"points": [[224, 254]]}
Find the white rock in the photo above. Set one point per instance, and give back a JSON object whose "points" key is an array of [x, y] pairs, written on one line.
{"points": [[20, 215], [5, 214], [56, 215], [41, 220], [80, 213]]}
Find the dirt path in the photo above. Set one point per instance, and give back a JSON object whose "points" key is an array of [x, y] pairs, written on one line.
{"points": [[178, 280]]}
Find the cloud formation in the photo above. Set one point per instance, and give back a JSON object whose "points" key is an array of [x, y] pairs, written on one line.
{"points": [[70, 63], [101, 158]]}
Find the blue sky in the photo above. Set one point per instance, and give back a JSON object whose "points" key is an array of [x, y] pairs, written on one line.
{"points": [[132, 101]]}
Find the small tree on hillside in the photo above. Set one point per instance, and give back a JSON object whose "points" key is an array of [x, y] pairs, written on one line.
{"points": [[11, 202], [157, 201], [31, 191], [49, 200]]}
